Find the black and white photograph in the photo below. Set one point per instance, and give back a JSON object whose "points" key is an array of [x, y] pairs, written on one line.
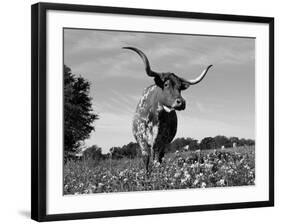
{"points": [[146, 111]]}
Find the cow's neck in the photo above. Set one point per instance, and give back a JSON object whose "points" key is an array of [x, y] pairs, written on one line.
{"points": [[150, 105], [156, 103]]}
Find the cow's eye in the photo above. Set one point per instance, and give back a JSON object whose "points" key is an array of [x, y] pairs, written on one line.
{"points": [[166, 84]]}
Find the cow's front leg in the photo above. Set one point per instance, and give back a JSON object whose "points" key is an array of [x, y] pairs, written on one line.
{"points": [[160, 153], [147, 157]]}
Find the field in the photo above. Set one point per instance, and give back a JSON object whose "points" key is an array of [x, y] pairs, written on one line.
{"points": [[179, 170]]}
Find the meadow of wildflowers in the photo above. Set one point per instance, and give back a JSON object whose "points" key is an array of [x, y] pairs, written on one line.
{"points": [[179, 170]]}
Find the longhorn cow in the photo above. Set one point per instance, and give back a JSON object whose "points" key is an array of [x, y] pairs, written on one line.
{"points": [[155, 119]]}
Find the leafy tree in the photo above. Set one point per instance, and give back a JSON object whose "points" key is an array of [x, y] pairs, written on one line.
{"points": [[116, 152], [130, 150], [222, 141], [179, 143], [208, 143], [234, 140], [193, 145], [242, 142], [78, 112], [94, 152], [249, 142]]}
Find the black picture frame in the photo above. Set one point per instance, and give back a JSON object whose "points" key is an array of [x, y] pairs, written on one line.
{"points": [[39, 107]]}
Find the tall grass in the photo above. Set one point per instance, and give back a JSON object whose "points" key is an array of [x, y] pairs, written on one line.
{"points": [[179, 170]]}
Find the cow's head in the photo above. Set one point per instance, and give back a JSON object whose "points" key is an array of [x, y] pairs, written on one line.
{"points": [[171, 85]]}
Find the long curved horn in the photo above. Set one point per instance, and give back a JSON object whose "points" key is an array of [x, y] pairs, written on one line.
{"points": [[145, 61], [199, 78]]}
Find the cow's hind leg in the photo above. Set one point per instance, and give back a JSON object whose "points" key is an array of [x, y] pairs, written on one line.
{"points": [[161, 155]]}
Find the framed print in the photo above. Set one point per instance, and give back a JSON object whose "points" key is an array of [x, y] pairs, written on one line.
{"points": [[138, 111]]}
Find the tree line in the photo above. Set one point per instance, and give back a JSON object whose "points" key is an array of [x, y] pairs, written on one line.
{"points": [[132, 150], [216, 142]]}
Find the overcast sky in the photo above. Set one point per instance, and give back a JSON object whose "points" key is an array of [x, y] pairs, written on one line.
{"points": [[222, 104]]}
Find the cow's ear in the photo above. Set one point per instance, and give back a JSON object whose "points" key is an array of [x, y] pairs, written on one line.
{"points": [[184, 85], [159, 81]]}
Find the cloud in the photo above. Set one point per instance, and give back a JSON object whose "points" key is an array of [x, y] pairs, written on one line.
{"points": [[202, 108], [99, 52], [199, 128], [112, 129]]}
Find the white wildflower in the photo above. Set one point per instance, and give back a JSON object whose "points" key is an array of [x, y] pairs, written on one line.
{"points": [[183, 180], [222, 182], [195, 182], [177, 174], [187, 175], [203, 185], [156, 163]]}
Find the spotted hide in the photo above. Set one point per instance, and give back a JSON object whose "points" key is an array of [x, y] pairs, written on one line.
{"points": [[153, 127]]}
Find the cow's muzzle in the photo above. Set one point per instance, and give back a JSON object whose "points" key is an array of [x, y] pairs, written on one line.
{"points": [[179, 104]]}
